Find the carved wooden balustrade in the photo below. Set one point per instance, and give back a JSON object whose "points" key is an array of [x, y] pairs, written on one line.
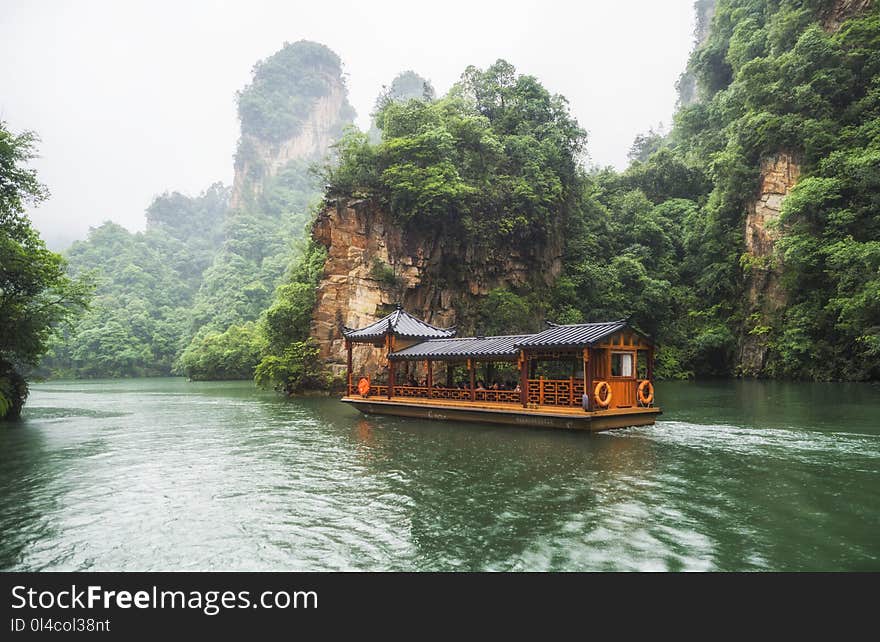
{"points": [[543, 392], [556, 392]]}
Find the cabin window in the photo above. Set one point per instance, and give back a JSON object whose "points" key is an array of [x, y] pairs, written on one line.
{"points": [[621, 364]]}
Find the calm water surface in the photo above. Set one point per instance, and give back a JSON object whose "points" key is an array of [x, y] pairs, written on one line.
{"points": [[162, 474]]}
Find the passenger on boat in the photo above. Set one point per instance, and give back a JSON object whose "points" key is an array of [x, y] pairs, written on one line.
{"points": [[517, 389], [480, 385]]}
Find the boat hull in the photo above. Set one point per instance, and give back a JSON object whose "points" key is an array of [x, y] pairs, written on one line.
{"points": [[561, 418]]}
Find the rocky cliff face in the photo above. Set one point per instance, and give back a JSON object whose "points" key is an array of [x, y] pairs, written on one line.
{"points": [[765, 296], [704, 10], [840, 10], [372, 264], [259, 160]]}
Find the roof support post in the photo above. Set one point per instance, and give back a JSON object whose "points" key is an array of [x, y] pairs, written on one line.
{"points": [[348, 378], [430, 378], [588, 380], [388, 341], [523, 379], [473, 386], [390, 379]]}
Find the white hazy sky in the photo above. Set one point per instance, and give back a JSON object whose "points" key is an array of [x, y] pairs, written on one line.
{"points": [[135, 98]]}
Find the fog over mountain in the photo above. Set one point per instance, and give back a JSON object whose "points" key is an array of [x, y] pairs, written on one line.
{"points": [[133, 99]]}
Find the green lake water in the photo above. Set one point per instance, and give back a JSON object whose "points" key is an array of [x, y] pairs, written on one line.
{"points": [[162, 474]]}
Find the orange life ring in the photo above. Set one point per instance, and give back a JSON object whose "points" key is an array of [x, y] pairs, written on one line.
{"points": [[364, 386], [646, 398], [602, 386]]}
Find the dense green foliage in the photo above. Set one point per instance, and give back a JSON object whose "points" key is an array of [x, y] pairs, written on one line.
{"points": [[495, 159], [663, 243], [140, 318], [36, 294], [232, 354], [188, 294], [284, 89], [406, 86], [506, 312], [773, 80], [496, 164], [261, 233], [260, 242], [290, 361]]}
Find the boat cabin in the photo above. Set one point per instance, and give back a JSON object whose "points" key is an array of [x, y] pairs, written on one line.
{"points": [[592, 367]]}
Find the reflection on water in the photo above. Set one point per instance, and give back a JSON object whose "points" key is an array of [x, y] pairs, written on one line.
{"points": [[168, 475]]}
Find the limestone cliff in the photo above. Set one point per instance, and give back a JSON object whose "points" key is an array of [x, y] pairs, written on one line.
{"points": [[840, 10], [373, 264], [264, 158], [704, 10], [765, 296], [295, 108]]}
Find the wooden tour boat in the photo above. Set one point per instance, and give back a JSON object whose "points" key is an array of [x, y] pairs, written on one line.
{"points": [[610, 382]]}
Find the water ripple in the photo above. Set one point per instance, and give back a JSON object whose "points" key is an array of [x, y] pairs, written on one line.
{"points": [[164, 475]]}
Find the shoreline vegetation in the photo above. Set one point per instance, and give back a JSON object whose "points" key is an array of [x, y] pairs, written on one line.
{"points": [[222, 285]]}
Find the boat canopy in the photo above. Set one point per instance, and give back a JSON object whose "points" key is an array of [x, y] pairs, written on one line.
{"points": [[501, 347], [400, 323], [577, 335], [441, 344]]}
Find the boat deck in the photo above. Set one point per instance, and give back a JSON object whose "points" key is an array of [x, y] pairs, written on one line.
{"points": [[505, 413]]}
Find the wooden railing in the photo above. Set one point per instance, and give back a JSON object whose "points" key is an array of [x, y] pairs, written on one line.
{"points": [[503, 396], [556, 392], [375, 390], [543, 392], [459, 394], [411, 391], [437, 392]]}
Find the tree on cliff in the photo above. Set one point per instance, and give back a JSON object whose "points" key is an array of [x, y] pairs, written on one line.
{"points": [[270, 207], [495, 159], [146, 283], [773, 80], [406, 86], [284, 88], [495, 163], [290, 361], [36, 295]]}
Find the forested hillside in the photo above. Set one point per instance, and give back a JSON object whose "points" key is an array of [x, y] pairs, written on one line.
{"points": [[798, 81], [699, 241], [206, 267], [37, 297], [140, 316], [746, 240], [206, 290]]}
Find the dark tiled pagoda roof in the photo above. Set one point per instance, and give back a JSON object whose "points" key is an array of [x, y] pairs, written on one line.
{"points": [[401, 323], [461, 347], [578, 335]]}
